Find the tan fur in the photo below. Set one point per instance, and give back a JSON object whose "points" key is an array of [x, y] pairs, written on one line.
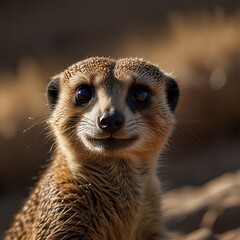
{"points": [[89, 193]]}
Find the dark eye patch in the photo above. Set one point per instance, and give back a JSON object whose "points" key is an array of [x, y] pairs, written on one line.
{"points": [[140, 94], [139, 97], [83, 94]]}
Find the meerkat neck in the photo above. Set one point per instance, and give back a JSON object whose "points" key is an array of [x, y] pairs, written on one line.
{"points": [[76, 163], [120, 175]]}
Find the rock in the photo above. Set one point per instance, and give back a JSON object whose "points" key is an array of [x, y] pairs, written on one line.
{"points": [[230, 235], [206, 212]]}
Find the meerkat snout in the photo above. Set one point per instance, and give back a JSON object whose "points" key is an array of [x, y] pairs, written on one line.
{"points": [[110, 121]]}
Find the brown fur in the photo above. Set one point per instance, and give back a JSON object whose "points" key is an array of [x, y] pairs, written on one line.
{"points": [[95, 194]]}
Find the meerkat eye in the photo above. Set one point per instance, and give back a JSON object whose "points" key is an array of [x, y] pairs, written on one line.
{"points": [[140, 94], [83, 94]]}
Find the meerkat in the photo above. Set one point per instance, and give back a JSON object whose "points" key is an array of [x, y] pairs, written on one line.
{"points": [[110, 120]]}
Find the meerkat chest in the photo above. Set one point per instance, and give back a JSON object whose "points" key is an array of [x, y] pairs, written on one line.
{"points": [[102, 208]]}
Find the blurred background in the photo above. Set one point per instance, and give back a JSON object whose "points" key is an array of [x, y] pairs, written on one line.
{"points": [[197, 41]]}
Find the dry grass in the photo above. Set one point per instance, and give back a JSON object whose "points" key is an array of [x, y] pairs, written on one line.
{"points": [[210, 40], [21, 95]]}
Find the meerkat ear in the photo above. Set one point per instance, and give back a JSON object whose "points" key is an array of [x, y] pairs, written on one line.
{"points": [[172, 93], [53, 91]]}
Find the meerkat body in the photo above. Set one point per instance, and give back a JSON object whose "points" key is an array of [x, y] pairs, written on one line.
{"points": [[110, 119]]}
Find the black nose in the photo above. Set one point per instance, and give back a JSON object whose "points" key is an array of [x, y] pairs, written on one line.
{"points": [[110, 121]]}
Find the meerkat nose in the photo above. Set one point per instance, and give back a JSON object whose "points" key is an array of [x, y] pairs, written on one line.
{"points": [[110, 121]]}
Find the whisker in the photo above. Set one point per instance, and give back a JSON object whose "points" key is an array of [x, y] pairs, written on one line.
{"points": [[178, 126], [39, 122], [52, 146], [35, 139]]}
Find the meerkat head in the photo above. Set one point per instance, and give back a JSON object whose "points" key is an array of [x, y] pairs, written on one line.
{"points": [[107, 107]]}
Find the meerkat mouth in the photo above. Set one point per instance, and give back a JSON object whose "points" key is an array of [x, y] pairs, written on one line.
{"points": [[111, 143]]}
